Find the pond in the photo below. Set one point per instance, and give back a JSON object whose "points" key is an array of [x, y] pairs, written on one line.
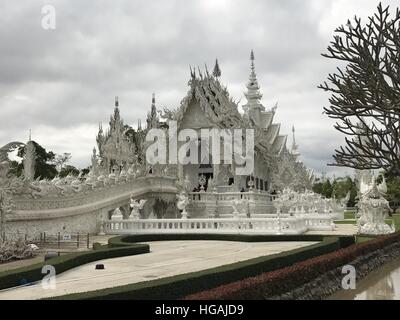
{"points": [[381, 284]]}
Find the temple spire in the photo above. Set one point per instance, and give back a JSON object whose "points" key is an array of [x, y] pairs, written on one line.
{"points": [[152, 118], [295, 148], [116, 117], [217, 70], [253, 94]]}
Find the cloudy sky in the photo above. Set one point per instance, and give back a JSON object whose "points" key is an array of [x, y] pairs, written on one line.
{"points": [[61, 83]]}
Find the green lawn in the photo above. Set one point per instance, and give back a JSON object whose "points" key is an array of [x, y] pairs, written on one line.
{"points": [[360, 239], [353, 221], [349, 215], [349, 218], [348, 221]]}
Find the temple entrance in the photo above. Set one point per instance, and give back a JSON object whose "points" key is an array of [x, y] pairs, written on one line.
{"points": [[206, 171]]}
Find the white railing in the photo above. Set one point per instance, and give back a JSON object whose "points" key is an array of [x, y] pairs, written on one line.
{"points": [[273, 225], [319, 222], [229, 196]]}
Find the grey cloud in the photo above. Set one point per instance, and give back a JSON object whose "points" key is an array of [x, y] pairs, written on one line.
{"points": [[67, 78]]}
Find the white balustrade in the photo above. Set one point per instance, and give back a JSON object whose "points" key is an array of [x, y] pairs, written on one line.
{"points": [[319, 222], [270, 225], [229, 196]]}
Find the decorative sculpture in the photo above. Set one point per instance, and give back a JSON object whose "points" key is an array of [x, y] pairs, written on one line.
{"points": [[137, 205], [29, 161], [117, 215], [7, 187], [240, 206], [212, 187], [373, 208], [235, 205], [202, 182], [184, 184], [182, 203]]}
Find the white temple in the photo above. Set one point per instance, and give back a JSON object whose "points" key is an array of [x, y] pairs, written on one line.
{"points": [[195, 196], [208, 105]]}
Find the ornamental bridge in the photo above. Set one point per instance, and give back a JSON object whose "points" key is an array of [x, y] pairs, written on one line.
{"points": [[93, 211], [83, 211]]}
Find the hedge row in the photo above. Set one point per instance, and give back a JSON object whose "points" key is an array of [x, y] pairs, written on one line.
{"points": [[33, 272], [181, 285], [280, 281], [129, 239]]}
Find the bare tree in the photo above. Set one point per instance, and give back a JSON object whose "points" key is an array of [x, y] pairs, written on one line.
{"points": [[61, 159], [365, 98]]}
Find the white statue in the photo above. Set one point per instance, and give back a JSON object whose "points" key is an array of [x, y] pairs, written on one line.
{"points": [[183, 201], [212, 187], [29, 161], [137, 205], [373, 208], [117, 215], [235, 205], [240, 206]]}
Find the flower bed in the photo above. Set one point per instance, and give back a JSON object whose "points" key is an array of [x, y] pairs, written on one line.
{"points": [[283, 280]]}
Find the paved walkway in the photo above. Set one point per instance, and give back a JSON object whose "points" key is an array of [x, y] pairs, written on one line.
{"points": [[340, 229], [167, 258]]}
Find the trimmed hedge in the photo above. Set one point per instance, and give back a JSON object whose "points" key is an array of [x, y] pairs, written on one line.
{"points": [[33, 273], [179, 286], [280, 281], [127, 240]]}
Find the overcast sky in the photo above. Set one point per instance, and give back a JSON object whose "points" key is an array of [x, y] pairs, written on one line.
{"points": [[61, 83]]}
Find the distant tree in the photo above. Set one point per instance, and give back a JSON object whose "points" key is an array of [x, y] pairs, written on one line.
{"points": [[61, 159], [327, 188], [338, 188], [317, 187], [44, 166], [393, 188], [365, 98], [342, 186], [68, 170], [85, 171]]}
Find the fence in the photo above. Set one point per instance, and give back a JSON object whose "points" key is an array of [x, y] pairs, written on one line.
{"points": [[59, 240]]}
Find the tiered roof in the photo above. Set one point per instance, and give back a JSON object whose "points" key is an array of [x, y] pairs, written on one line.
{"points": [[219, 108]]}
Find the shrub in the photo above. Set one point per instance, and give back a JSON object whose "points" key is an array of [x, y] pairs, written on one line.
{"points": [[129, 239], [283, 280], [98, 246]]}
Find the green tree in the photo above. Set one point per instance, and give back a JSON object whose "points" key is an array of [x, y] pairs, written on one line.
{"points": [[338, 188], [393, 189], [45, 168], [68, 170], [327, 188], [317, 187]]}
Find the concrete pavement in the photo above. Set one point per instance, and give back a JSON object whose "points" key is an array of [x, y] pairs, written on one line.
{"points": [[167, 258]]}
